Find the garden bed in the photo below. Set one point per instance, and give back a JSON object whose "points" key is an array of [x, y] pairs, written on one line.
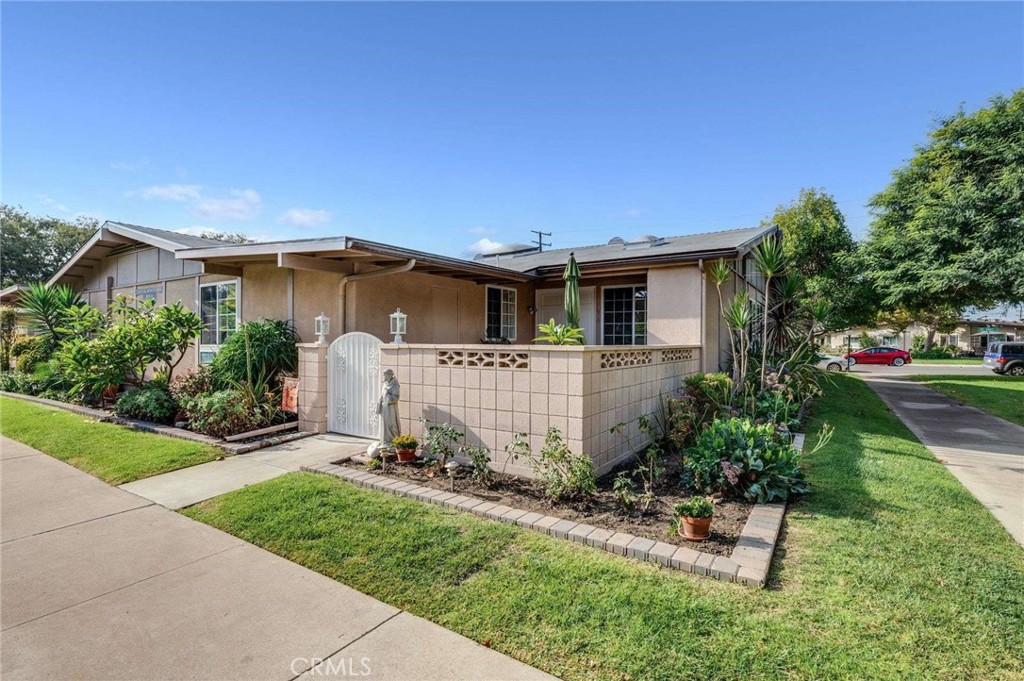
{"points": [[602, 509]]}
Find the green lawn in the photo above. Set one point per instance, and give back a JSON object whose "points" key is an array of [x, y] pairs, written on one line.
{"points": [[888, 569], [999, 395], [950, 360], [113, 453]]}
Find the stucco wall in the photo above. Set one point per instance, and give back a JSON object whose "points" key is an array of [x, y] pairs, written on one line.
{"points": [[674, 306], [266, 292]]}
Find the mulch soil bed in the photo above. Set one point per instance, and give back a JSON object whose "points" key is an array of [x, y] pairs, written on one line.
{"points": [[601, 510]]}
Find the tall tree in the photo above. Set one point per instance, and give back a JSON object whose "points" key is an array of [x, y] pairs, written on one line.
{"points": [[227, 237], [818, 245], [948, 231], [33, 248]]}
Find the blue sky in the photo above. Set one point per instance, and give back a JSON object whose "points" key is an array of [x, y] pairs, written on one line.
{"points": [[437, 125]]}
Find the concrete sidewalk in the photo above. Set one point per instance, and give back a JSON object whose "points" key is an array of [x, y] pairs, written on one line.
{"points": [[101, 584], [984, 452], [188, 486]]}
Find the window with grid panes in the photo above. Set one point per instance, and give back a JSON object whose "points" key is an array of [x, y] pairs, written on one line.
{"points": [[501, 313], [625, 315]]}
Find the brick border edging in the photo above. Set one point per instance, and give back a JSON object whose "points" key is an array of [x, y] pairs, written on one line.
{"points": [[748, 564], [229, 448]]}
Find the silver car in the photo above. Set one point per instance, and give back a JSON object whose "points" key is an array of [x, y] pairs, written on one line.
{"points": [[832, 363]]}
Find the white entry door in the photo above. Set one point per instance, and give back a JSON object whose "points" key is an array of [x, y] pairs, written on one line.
{"points": [[550, 304], [353, 384]]}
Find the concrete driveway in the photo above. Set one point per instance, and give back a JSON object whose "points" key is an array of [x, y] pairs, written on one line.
{"points": [[99, 583], [984, 452]]}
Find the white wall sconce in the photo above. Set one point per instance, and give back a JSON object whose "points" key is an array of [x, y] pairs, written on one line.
{"points": [[398, 326], [322, 327]]}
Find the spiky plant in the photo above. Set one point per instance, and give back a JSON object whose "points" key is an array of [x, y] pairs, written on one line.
{"points": [[770, 259]]}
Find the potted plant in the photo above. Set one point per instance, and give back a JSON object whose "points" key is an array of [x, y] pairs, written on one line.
{"points": [[693, 518], [405, 446]]}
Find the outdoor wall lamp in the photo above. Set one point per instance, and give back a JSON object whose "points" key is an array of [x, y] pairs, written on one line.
{"points": [[531, 309], [322, 327], [397, 325]]}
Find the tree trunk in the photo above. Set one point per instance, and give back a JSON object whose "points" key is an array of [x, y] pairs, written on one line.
{"points": [[929, 339]]}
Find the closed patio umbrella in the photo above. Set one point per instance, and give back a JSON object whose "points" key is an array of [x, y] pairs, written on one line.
{"points": [[572, 292]]}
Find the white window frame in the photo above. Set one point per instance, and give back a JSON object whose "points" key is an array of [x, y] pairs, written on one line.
{"points": [[502, 313], [214, 348], [647, 310]]}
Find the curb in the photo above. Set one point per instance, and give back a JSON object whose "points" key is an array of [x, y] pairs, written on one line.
{"points": [[748, 564]]}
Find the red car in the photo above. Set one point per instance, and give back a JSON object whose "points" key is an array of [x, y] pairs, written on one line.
{"points": [[892, 356]]}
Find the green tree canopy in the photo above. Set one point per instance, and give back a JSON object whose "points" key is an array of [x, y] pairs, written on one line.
{"points": [[818, 245], [948, 231], [33, 248]]}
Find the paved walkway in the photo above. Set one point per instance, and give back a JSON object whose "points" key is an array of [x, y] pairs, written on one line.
{"points": [[99, 583], [984, 452], [188, 486]]}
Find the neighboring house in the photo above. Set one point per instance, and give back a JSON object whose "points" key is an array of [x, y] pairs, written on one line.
{"points": [[649, 313], [11, 296], [971, 334]]}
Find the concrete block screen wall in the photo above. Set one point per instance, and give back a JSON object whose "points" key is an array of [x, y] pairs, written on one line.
{"points": [[491, 392]]}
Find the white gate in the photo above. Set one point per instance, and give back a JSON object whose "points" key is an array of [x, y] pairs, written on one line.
{"points": [[353, 384]]}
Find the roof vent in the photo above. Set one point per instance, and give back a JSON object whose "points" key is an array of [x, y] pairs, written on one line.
{"points": [[646, 241], [616, 241]]}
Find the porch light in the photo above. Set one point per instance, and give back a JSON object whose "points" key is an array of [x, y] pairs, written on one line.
{"points": [[322, 327], [397, 325]]}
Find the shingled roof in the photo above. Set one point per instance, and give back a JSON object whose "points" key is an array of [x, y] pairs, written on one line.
{"points": [[729, 243]]}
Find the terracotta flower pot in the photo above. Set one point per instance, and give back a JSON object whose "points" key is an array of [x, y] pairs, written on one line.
{"points": [[110, 393], [694, 529], [406, 455]]}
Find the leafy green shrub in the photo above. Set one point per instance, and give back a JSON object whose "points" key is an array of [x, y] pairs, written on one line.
{"points": [[28, 351], [559, 334], [262, 348], [18, 382], [562, 474], [439, 441], [479, 469], [190, 385], [695, 507], [147, 404], [704, 397], [223, 413], [937, 352], [740, 457]]}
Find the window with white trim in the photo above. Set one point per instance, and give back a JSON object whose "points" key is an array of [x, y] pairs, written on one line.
{"points": [[219, 312], [500, 319], [624, 315]]}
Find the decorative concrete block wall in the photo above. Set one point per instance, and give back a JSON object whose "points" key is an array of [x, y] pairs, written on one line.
{"points": [[312, 387], [491, 392]]}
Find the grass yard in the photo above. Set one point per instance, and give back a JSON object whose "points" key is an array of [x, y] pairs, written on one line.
{"points": [[949, 360], [1002, 396], [113, 453], [888, 569]]}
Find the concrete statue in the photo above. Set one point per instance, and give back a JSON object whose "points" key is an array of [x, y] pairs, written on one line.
{"points": [[387, 409]]}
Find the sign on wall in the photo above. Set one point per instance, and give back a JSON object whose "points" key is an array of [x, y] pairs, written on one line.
{"points": [[290, 395], [149, 292]]}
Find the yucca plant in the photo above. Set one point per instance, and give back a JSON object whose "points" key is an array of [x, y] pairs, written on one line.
{"points": [[770, 259], [738, 315], [46, 308], [720, 272]]}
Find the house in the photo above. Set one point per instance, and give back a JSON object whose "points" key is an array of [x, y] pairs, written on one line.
{"points": [[650, 316], [11, 297], [971, 334]]}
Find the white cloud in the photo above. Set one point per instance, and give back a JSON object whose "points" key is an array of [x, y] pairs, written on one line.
{"points": [[484, 246], [130, 166], [634, 212], [482, 230], [54, 204], [240, 204], [305, 217], [169, 192]]}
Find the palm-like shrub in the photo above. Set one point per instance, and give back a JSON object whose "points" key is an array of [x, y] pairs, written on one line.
{"points": [[46, 308], [259, 350], [559, 334]]}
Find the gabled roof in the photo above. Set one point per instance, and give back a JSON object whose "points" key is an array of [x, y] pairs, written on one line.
{"points": [[12, 294], [113, 235], [340, 254], [646, 251]]}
